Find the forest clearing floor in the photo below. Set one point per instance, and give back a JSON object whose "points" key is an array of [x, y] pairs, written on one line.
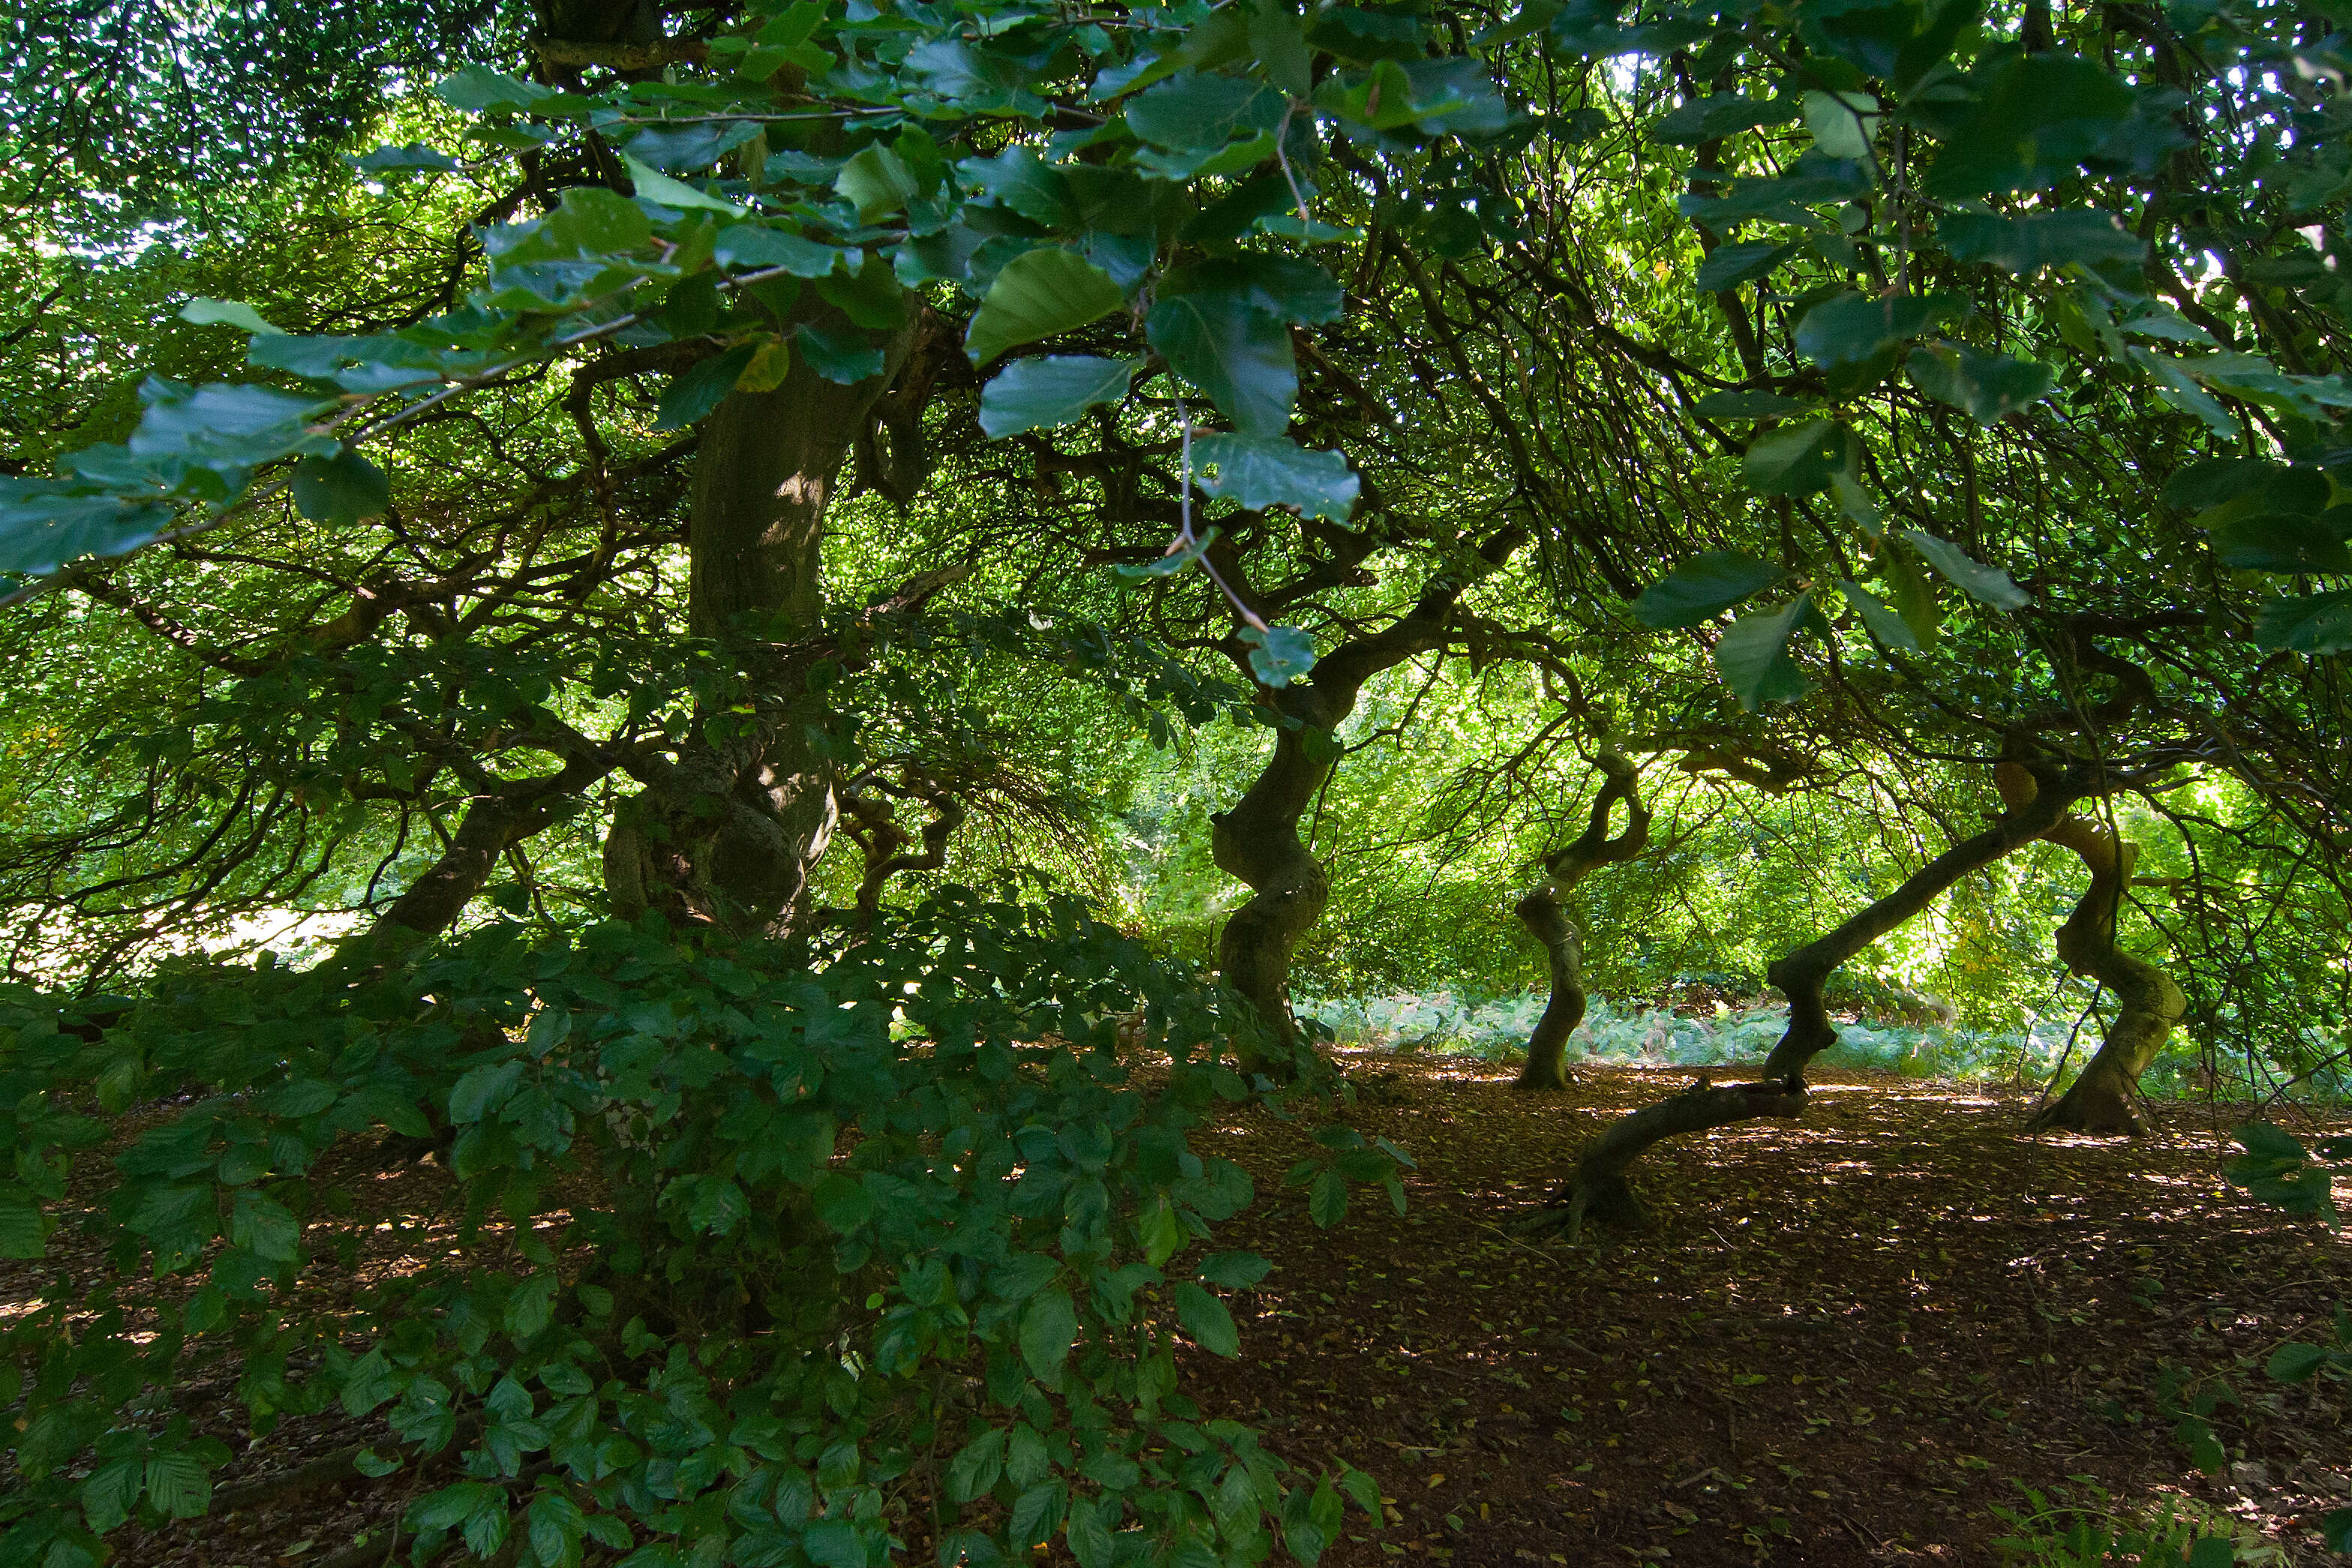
{"points": [[1845, 1340], [1842, 1339]]}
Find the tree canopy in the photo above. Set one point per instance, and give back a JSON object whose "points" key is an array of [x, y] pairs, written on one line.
{"points": [[1220, 506]]}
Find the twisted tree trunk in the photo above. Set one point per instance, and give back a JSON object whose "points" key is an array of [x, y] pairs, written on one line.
{"points": [[1541, 912], [1258, 841], [2147, 1002], [1597, 1186]]}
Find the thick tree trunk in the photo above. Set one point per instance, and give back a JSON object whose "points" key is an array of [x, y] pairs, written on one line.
{"points": [[1598, 1185], [1541, 912], [2147, 1002], [727, 839]]}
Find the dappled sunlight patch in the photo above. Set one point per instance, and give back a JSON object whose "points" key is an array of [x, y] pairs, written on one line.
{"points": [[1870, 1322]]}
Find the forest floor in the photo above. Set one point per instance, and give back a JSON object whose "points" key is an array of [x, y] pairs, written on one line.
{"points": [[1845, 1340]]}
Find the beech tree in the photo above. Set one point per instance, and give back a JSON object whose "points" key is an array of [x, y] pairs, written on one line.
{"points": [[430, 506]]}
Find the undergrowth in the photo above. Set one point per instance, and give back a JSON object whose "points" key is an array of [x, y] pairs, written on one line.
{"points": [[1495, 1027]]}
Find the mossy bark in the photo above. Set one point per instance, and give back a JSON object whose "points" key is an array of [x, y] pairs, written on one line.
{"points": [[1546, 920]]}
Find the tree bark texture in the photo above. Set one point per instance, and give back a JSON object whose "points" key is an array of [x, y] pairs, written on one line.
{"points": [[1258, 842], [725, 840], [1546, 920], [2149, 1005]]}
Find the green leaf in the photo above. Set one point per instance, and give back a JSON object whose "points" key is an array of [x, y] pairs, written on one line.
{"points": [[1088, 1530], [842, 358], [21, 1229], [973, 1472], [1327, 1199], [2268, 1140], [652, 186], [594, 220], [2212, 1552], [1234, 1270], [1049, 1327], [1278, 471], [1843, 124], [2295, 1362], [749, 246], [1882, 621], [1278, 655], [1795, 459], [1206, 1320], [2177, 384], [45, 523], [871, 297], [1038, 294], [1048, 393], [1752, 655], [2210, 482], [480, 1090], [1728, 266], [341, 489], [1854, 327], [876, 181], [1988, 387], [108, 1494], [1237, 353], [719, 1207], [1019, 179], [1747, 404], [842, 1202], [2284, 542], [1988, 584], [1190, 111], [1285, 286], [2033, 123], [228, 313], [2075, 237], [693, 395], [834, 1543], [1723, 114], [177, 1485], [1021, 1275], [1703, 587], [478, 88], [2314, 623], [1278, 39], [408, 156]]}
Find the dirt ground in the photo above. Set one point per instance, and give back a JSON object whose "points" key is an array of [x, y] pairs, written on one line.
{"points": [[1842, 1340]]}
